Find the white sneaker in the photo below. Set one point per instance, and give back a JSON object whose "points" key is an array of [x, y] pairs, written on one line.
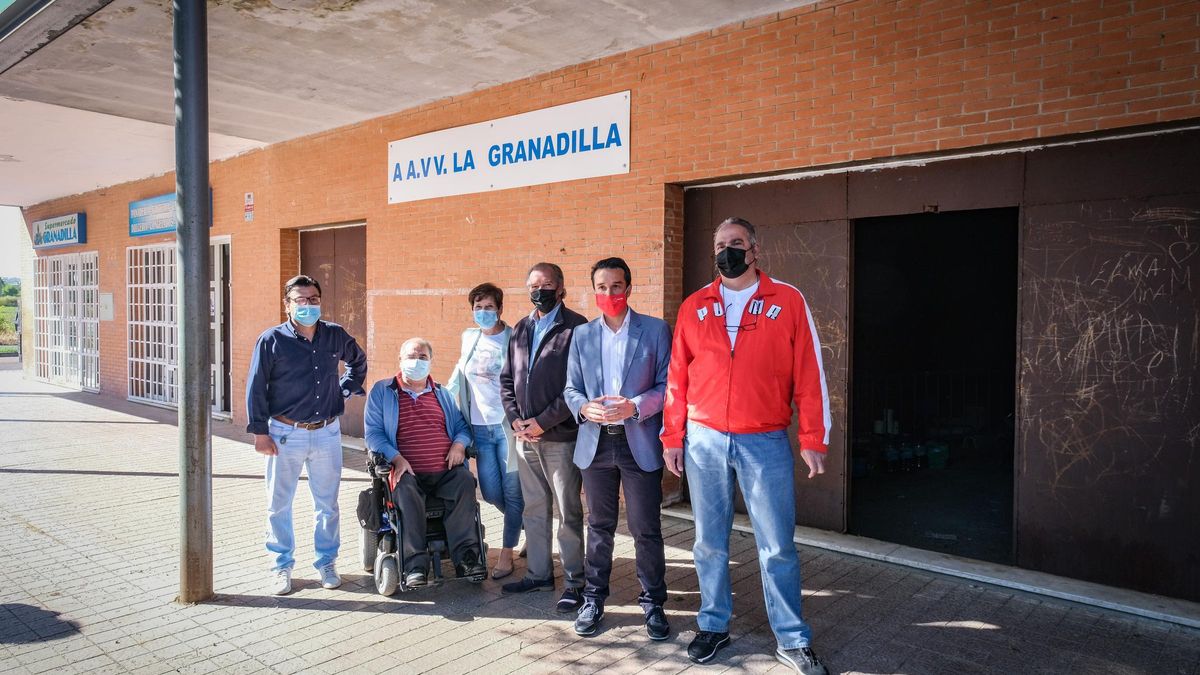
{"points": [[329, 576], [281, 582]]}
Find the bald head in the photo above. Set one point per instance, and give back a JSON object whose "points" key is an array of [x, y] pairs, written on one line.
{"points": [[415, 348]]}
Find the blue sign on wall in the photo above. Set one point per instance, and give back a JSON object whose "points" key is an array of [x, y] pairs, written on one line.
{"points": [[61, 231], [156, 215]]}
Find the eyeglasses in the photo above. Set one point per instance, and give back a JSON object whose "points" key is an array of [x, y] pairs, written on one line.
{"points": [[745, 326], [311, 300]]}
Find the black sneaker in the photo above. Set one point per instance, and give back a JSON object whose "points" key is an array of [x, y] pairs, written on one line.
{"points": [[706, 645], [588, 621], [414, 579], [802, 659], [472, 568], [527, 585], [656, 624], [571, 601]]}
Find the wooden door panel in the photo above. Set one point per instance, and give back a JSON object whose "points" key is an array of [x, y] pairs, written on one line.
{"points": [[337, 259]]}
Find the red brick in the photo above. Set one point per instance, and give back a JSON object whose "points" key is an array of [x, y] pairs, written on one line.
{"points": [[819, 84]]}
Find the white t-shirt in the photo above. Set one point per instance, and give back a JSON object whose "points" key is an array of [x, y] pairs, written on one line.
{"points": [[483, 377], [735, 306]]}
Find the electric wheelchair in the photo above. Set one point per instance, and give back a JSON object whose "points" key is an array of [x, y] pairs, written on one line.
{"points": [[382, 531]]}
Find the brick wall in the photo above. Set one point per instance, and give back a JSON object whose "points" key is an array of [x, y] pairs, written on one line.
{"points": [[822, 84]]}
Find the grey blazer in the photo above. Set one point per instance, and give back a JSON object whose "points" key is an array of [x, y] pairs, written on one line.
{"points": [[645, 383]]}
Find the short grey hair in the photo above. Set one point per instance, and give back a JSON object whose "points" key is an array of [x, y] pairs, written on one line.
{"points": [[419, 341], [741, 222]]}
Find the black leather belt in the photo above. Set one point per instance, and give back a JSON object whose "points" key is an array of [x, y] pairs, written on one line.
{"points": [[304, 425], [614, 429]]}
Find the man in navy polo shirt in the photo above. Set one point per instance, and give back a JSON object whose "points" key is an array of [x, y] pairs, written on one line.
{"points": [[294, 397]]}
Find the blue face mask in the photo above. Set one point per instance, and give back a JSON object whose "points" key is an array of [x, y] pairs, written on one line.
{"points": [[486, 318], [306, 315], [414, 369]]}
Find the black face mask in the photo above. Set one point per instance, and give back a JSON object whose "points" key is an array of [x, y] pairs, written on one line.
{"points": [[731, 262], [544, 299]]}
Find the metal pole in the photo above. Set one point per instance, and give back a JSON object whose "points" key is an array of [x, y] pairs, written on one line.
{"points": [[192, 248]]}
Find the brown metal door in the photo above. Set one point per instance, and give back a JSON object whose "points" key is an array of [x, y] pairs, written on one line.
{"points": [[1110, 364], [337, 259], [805, 239]]}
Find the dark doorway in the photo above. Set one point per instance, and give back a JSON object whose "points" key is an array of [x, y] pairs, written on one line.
{"points": [[337, 258], [934, 365]]}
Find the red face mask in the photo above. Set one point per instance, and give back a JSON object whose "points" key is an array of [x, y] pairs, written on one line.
{"points": [[612, 305]]}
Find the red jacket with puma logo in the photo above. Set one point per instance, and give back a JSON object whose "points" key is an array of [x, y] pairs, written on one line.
{"points": [[750, 389]]}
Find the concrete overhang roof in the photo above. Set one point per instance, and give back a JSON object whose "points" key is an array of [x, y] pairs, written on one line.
{"points": [[86, 98]]}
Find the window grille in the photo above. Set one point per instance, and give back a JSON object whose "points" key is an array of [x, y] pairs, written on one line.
{"points": [[151, 287], [66, 299]]}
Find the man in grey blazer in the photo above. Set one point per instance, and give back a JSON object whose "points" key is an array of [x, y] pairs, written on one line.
{"points": [[616, 382]]}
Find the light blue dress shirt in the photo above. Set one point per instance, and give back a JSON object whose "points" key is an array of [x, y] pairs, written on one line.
{"points": [[540, 328]]}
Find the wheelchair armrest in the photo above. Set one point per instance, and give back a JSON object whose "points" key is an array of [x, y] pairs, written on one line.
{"points": [[471, 452]]}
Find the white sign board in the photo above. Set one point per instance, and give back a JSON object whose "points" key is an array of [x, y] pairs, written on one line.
{"points": [[577, 140]]}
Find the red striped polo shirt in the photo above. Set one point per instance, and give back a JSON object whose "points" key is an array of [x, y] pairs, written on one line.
{"points": [[421, 434]]}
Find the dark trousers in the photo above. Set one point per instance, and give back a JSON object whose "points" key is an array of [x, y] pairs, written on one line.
{"points": [[456, 487], [612, 468]]}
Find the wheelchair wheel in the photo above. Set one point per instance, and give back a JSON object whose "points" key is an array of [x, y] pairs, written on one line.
{"points": [[368, 542], [387, 576]]}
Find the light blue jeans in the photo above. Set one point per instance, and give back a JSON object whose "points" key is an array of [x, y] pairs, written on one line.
{"points": [[499, 486], [320, 450], [762, 465]]}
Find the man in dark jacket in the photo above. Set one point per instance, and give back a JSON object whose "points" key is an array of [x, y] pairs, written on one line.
{"points": [[531, 388]]}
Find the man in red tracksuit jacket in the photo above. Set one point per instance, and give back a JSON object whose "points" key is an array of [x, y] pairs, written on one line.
{"points": [[746, 348]]}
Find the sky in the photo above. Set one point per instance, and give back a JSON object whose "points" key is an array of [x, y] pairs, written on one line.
{"points": [[10, 239]]}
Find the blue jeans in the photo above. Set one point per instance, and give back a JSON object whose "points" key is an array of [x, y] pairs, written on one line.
{"points": [[499, 486], [320, 450], [762, 464]]}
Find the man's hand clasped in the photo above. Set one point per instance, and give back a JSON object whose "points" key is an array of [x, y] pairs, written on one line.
{"points": [[608, 409], [528, 430]]}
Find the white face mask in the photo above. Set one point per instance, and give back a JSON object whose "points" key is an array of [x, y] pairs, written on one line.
{"points": [[414, 369]]}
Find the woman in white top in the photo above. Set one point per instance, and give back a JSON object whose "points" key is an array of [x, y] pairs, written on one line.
{"points": [[476, 385]]}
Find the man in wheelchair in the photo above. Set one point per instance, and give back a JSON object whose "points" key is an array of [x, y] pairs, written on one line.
{"points": [[416, 425]]}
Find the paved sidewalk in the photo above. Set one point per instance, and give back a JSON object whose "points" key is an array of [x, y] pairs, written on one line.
{"points": [[88, 573]]}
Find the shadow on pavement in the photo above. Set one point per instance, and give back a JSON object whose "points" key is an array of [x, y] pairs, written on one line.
{"points": [[439, 601], [33, 624]]}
